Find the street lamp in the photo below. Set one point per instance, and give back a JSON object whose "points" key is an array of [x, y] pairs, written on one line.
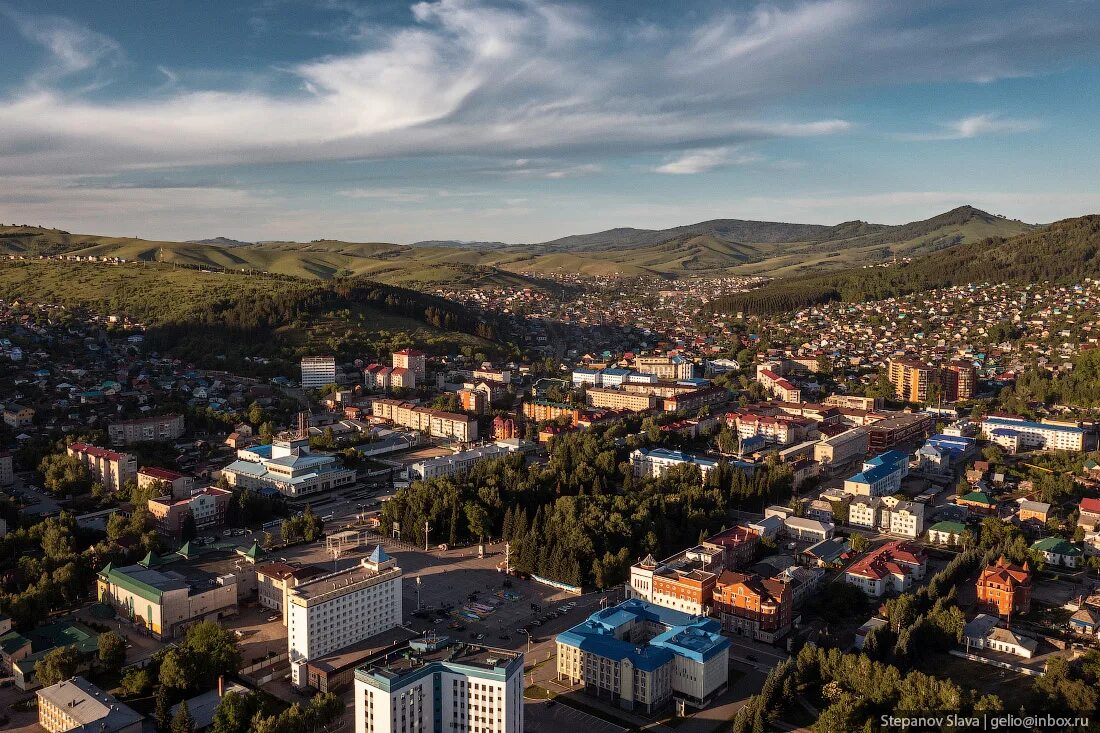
{"points": [[418, 593]]}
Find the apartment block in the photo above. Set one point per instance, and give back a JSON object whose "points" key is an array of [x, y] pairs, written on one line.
{"points": [[108, 467], [146, 429], [912, 379], [617, 399], [436, 423], [748, 605], [892, 568], [317, 371]]}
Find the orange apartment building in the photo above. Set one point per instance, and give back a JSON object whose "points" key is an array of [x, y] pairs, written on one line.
{"points": [[760, 608], [912, 379], [1005, 588], [617, 399], [959, 381], [544, 411]]}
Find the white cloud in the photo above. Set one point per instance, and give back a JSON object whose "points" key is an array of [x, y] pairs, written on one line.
{"points": [[72, 47], [975, 126], [701, 161]]}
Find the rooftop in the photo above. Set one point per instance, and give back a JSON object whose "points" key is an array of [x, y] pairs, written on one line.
{"points": [[90, 706]]}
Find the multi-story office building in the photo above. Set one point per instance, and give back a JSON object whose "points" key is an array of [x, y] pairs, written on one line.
{"points": [[880, 476], [760, 608], [317, 371], [411, 359], [643, 656], [617, 399], [683, 582], [456, 463], [895, 428], [1027, 434], [543, 411], [696, 399], [108, 467], [894, 567], [654, 463], [436, 423], [432, 685], [180, 485], [206, 510], [671, 368], [274, 581], [77, 704], [146, 429], [853, 402], [288, 466], [842, 447], [912, 379], [334, 611], [775, 429], [960, 381]]}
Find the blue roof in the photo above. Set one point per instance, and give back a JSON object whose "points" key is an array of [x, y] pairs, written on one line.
{"points": [[951, 443], [1029, 425], [871, 475], [582, 370], [675, 455], [379, 555], [693, 637], [890, 458], [617, 372]]}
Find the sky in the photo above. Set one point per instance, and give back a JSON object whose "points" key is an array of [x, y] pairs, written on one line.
{"points": [[523, 121]]}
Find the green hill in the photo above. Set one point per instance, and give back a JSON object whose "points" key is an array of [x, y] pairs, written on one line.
{"points": [[1065, 251], [720, 246]]}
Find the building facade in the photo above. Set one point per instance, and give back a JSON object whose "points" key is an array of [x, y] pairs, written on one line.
{"points": [[108, 467], [1005, 588], [436, 423], [317, 371], [337, 610], [146, 429], [1028, 434]]}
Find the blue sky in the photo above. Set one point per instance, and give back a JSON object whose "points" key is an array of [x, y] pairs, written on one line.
{"points": [[524, 121]]}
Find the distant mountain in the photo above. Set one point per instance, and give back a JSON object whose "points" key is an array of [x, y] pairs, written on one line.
{"points": [[1064, 251], [460, 244], [220, 241], [719, 246]]}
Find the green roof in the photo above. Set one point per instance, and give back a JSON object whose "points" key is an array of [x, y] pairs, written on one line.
{"points": [[64, 633], [1057, 546], [950, 527], [133, 585], [252, 552], [151, 560], [978, 497], [12, 642], [186, 550]]}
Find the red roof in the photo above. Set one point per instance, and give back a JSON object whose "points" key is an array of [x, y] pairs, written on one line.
{"points": [[97, 452], [162, 474], [894, 558], [409, 352], [1090, 505]]}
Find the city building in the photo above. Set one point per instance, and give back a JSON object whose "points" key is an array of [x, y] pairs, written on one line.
{"points": [[289, 467], [274, 580], [435, 685], [76, 704], [748, 605], [641, 656], [912, 379], [983, 633], [842, 447], [1089, 516], [1034, 511], [778, 386], [896, 428], [18, 416], [180, 485], [671, 368], [1058, 552], [881, 475], [146, 429], [907, 519], [1006, 588], [411, 359], [334, 611], [317, 371], [892, 568], [1017, 433], [655, 462], [696, 399], [946, 533], [109, 468], [7, 474], [960, 381], [456, 463], [854, 402], [807, 530], [436, 423], [775, 429], [166, 602], [402, 378], [683, 582], [471, 400], [617, 399], [205, 510]]}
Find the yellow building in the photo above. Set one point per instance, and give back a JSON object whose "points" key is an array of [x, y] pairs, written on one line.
{"points": [[912, 379]]}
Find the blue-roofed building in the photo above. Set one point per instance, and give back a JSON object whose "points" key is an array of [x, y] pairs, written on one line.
{"points": [[288, 466], [1017, 433], [583, 376], [940, 452], [881, 475], [614, 377], [656, 462], [643, 656]]}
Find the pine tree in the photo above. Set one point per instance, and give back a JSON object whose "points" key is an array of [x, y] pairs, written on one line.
{"points": [[182, 722], [162, 714]]}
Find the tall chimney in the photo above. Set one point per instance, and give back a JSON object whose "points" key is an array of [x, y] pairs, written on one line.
{"points": [[221, 685]]}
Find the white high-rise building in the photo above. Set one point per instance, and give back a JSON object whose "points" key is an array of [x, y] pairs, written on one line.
{"points": [[334, 611], [317, 371], [430, 685]]}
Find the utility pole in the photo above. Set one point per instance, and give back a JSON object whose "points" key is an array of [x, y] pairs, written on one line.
{"points": [[418, 593], [425, 535]]}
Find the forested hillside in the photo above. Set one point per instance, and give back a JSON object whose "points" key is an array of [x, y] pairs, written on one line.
{"points": [[1066, 250]]}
